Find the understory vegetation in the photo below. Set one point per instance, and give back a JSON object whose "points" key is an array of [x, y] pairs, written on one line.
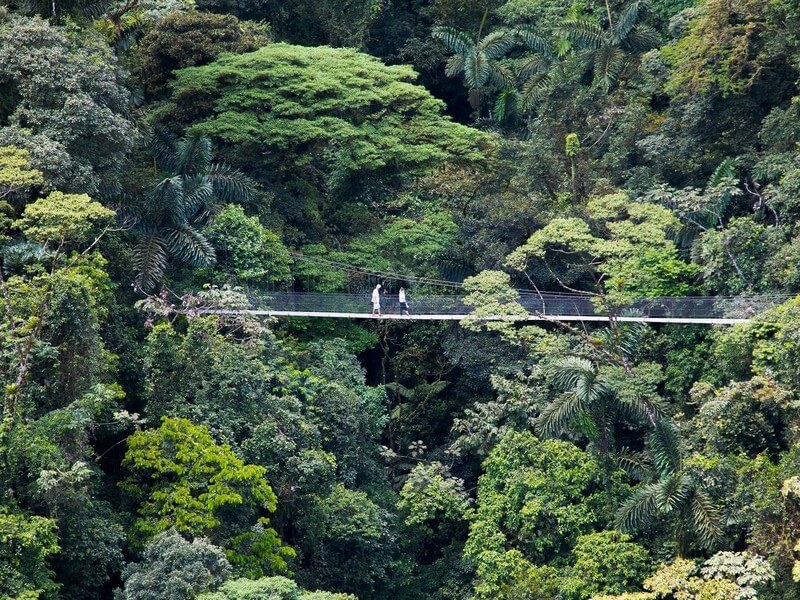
{"points": [[160, 158]]}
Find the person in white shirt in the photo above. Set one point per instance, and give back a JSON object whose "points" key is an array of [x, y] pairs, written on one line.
{"points": [[376, 300], [401, 298]]}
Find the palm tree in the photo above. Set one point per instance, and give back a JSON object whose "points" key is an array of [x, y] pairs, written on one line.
{"points": [[476, 60], [609, 51], [539, 70], [587, 401], [170, 215], [672, 492]]}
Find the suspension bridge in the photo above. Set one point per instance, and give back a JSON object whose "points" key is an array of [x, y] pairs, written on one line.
{"points": [[442, 300]]}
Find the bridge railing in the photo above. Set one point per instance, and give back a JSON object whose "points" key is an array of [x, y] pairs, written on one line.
{"points": [[566, 305]]}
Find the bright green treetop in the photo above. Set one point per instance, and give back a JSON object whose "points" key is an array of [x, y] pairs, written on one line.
{"points": [[334, 109], [187, 479]]}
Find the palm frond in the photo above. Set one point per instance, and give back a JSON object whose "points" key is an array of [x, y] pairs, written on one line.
{"points": [[582, 31], [641, 38], [635, 464], [725, 170], [149, 260], [505, 105], [496, 44], [674, 491], [558, 414], [167, 195], [456, 41], [639, 509], [664, 448], [536, 89], [455, 65], [190, 246], [627, 19], [609, 62], [198, 196], [500, 76], [706, 518], [535, 65], [164, 146], [193, 155], [22, 253], [571, 371], [535, 41], [230, 185]]}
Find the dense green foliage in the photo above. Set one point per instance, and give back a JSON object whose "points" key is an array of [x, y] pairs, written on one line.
{"points": [[159, 158]]}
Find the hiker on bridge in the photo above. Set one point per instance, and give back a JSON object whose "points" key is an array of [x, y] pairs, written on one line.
{"points": [[376, 300], [401, 299]]}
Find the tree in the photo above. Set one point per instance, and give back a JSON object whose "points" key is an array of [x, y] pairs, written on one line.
{"points": [[535, 499], [70, 111], [16, 172], [344, 540], [174, 569], [477, 60], [268, 588], [590, 400], [623, 249], [673, 493], [26, 544], [194, 38], [609, 51], [170, 215], [185, 481], [248, 251], [606, 562], [381, 124]]}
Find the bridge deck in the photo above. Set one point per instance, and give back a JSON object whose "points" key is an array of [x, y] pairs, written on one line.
{"points": [[704, 310], [443, 317]]}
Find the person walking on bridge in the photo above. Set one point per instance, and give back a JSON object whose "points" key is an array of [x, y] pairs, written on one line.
{"points": [[401, 299], [376, 300]]}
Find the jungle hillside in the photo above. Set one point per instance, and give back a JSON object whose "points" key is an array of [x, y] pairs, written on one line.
{"points": [[166, 165]]}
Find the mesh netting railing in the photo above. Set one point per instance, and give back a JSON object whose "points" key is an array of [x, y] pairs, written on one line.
{"points": [[554, 305]]}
